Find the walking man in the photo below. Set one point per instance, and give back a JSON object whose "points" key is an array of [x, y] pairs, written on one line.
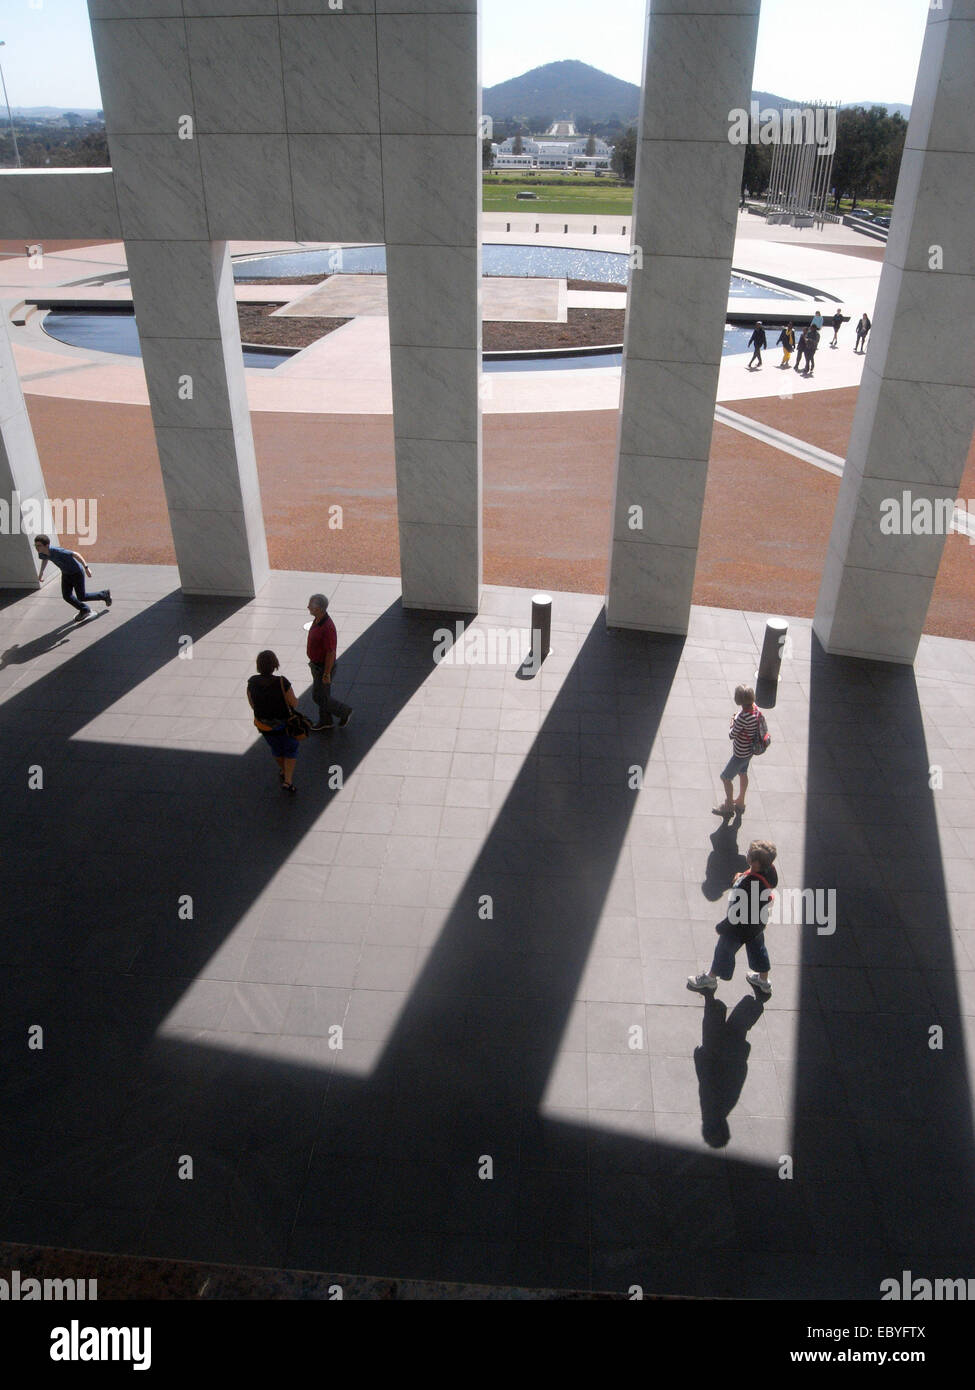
{"points": [[800, 350], [322, 644], [812, 343], [73, 569], [863, 328], [757, 341]]}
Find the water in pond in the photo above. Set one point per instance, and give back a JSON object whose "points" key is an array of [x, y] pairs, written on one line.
{"points": [[114, 330], [557, 262]]}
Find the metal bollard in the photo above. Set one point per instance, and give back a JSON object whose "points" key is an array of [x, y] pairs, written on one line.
{"points": [[776, 630], [541, 628], [507, 226], [536, 226], [594, 229], [566, 227]]}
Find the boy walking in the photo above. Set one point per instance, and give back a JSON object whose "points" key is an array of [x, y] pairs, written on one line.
{"points": [[749, 902], [73, 569], [743, 729]]}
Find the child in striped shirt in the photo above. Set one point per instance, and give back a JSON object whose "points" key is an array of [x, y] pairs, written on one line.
{"points": [[742, 733]]}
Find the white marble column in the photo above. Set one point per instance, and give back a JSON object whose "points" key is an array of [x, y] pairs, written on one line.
{"points": [[21, 479], [429, 107], [168, 122], [35, 204], [698, 69], [916, 407]]}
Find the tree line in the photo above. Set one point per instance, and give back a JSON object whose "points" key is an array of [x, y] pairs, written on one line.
{"points": [[867, 162], [41, 145]]}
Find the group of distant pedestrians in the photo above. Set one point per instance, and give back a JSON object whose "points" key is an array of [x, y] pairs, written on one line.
{"points": [[273, 700], [808, 342], [750, 899]]}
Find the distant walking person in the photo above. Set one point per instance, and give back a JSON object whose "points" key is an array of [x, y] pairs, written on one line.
{"points": [[272, 700], [863, 328], [787, 342], [743, 729], [800, 349], [73, 569], [812, 343], [837, 325], [321, 649], [749, 902], [817, 321], [757, 341]]}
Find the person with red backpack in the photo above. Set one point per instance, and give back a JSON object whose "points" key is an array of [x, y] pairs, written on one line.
{"points": [[749, 735], [749, 903]]}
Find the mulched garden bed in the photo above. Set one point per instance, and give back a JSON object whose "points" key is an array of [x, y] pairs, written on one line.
{"points": [[257, 326], [585, 328], [593, 285], [315, 279]]}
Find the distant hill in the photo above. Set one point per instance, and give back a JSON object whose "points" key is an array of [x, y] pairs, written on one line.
{"points": [[893, 108], [573, 90], [53, 113], [558, 91]]}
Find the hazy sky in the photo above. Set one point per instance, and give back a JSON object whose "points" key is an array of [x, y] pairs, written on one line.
{"points": [[839, 50]]}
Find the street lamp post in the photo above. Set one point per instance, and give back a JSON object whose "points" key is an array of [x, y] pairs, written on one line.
{"points": [[9, 112]]}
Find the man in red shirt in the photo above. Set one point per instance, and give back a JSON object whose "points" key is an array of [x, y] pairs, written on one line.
{"points": [[322, 643]]}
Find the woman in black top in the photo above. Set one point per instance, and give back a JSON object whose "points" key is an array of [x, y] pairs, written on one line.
{"points": [[272, 700]]}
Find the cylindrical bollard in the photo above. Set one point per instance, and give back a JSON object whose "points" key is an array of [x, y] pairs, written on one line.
{"points": [[623, 230], [507, 226], [536, 226], [566, 227], [541, 627], [776, 630], [594, 229]]}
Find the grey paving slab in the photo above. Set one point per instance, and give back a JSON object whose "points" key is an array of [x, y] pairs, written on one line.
{"points": [[477, 945]]}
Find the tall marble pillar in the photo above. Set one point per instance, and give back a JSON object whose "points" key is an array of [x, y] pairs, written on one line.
{"points": [[429, 108], [178, 193], [21, 480], [698, 70], [916, 408], [34, 204]]}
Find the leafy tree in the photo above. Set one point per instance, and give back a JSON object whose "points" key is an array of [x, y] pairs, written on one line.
{"points": [[624, 155], [757, 168], [591, 145], [487, 156], [519, 145]]}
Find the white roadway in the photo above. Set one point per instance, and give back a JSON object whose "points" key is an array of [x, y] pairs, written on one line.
{"points": [[348, 371]]}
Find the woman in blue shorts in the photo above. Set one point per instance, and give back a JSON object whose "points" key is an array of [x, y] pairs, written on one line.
{"points": [[272, 700]]}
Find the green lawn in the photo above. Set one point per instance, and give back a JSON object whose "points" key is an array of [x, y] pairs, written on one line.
{"points": [[574, 198]]}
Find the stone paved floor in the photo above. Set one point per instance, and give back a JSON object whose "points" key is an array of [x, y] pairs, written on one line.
{"points": [[634, 1133]]}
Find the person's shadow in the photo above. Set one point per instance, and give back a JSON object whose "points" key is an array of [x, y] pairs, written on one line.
{"points": [[19, 653], [721, 1063], [724, 861]]}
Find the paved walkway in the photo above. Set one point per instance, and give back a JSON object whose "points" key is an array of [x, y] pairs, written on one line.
{"points": [[500, 925]]}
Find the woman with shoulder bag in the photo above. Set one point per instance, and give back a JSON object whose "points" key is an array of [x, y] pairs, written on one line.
{"points": [[276, 716]]}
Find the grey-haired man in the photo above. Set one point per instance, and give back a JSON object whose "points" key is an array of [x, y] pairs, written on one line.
{"points": [[322, 645]]}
